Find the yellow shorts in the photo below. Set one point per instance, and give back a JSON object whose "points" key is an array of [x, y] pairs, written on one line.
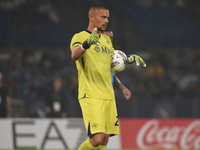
{"points": [[99, 115]]}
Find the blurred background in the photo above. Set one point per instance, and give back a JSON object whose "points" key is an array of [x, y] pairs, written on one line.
{"points": [[34, 50]]}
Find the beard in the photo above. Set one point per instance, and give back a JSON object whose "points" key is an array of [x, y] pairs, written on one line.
{"points": [[99, 29]]}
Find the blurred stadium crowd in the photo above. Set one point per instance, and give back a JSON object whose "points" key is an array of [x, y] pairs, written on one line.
{"points": [[35, 37]]}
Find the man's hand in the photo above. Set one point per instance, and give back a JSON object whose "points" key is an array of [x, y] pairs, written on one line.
{"points": [[92, 39], [127, 93], [135, 58]]}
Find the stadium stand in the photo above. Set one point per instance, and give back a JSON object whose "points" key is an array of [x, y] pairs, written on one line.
{"points": [[35, 48]]}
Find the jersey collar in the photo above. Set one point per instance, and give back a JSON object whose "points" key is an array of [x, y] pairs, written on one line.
{"points": [[91, 32]]}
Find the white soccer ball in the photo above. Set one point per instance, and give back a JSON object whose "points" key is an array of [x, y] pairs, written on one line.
{"points": [[118, 63]]}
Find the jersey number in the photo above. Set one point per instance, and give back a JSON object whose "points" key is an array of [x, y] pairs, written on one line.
{"points": [[116, 123]]}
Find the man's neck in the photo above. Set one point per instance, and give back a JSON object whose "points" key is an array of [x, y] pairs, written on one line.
{"points": [[91, 28]]}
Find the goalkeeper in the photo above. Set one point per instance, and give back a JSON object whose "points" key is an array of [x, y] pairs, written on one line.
{"points": [[92, 51]]}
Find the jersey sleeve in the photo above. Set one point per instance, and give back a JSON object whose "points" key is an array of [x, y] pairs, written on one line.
{"points": [[76, 41]]}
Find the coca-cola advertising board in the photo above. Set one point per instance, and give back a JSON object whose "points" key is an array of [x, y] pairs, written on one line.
{"points": [[160, 133]]}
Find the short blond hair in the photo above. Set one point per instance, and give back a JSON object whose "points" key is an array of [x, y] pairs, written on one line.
{"points": [[97, 7]]}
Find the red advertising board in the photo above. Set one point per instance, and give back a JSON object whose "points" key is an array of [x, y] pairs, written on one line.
{"points": [[160, 133]]}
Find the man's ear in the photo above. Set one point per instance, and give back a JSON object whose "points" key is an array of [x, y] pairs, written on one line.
{"points": [[91, 17]]}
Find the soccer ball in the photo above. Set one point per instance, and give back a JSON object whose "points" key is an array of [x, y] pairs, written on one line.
{"points": [[118, 63]]}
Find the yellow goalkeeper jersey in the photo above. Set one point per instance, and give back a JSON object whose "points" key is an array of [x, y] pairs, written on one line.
{"points": [[94, 77]]}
